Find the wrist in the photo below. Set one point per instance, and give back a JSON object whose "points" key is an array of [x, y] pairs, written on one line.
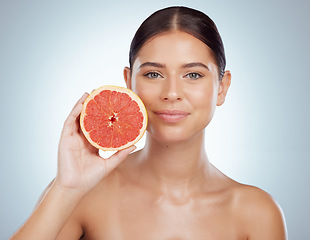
{"points": [[68, 192]]}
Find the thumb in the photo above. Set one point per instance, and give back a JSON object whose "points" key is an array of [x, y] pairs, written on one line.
{"points": [[113, 161]]}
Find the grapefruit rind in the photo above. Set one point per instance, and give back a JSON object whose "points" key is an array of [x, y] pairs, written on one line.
{"points": [[133, 96]]}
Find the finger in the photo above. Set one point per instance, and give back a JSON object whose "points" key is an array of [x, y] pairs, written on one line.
{"points": [[113, 161], [76, 110]]}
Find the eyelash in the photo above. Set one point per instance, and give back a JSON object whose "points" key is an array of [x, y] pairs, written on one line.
{"points": [[198, 75], [158, 75], [148, 74]]}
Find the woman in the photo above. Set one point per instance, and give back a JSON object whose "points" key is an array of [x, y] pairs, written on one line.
{"points": [[168, 189]]}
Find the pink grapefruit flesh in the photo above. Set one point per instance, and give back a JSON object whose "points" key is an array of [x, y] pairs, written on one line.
{"points": [[113, 118]]}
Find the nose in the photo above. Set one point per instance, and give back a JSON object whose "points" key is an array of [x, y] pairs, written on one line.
{"points": [[172, 89]]}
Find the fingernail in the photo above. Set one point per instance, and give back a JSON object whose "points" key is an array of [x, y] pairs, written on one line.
{"points": [[132, 148]]}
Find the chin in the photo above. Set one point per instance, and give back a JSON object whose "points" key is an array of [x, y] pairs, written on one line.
{"points": [[175, 135]]}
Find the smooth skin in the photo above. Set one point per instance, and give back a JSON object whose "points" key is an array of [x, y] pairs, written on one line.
{"points": [[169, 189]]}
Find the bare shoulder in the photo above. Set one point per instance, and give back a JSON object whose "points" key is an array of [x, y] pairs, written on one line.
{"points": [[259, 213], [253, 196]]}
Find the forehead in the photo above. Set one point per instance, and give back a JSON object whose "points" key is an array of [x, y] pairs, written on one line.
{"points": [[175, 46]]}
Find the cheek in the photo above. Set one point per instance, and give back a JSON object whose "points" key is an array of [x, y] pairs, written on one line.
{"points": [[146, 93], [204, 105], [203, 97]]}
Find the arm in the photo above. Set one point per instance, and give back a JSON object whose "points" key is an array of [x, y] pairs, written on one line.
{"points": [[50, 215], [265, 219], [80, 169]]}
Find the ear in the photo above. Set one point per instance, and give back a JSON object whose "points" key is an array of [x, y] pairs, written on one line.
{"points": [[127, 77], [223, 88]]}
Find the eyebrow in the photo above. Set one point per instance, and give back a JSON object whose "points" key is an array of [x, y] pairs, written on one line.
{"points": [[195, 64], [151, 64], [186, 65]]}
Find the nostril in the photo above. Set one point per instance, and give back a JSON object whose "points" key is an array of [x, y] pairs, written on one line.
{"points": [[172, 99]]}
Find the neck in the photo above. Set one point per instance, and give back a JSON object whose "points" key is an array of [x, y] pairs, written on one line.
{"points": [[181, 165]]}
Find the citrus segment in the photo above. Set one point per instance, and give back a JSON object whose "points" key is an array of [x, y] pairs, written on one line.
{"points": [[113, 118]]}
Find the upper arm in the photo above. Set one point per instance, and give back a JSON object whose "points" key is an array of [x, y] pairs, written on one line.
{"points": [[268, 224], [71, 230], [264, 218]]}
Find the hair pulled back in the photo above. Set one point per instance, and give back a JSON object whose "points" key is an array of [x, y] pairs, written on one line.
{"points": [[184, 19]]}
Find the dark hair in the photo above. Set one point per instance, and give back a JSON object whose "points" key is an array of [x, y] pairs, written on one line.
{"points": [[184, 19]]}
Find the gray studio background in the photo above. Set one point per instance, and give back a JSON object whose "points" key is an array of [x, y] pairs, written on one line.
{"points": [[51, 52]]}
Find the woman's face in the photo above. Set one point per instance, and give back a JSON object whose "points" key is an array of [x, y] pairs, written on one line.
{"points": [[176, 77]]}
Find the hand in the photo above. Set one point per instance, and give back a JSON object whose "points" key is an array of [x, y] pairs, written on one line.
{"points": [[79, 165]]}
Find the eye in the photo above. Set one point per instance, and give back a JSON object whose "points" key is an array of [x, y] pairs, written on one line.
{"points": [[152, 75], [194, 75]]}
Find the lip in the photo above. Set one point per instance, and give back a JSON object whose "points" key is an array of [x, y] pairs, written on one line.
{"points": [[171, 116]]}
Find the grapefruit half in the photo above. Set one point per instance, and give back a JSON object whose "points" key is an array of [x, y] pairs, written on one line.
{"points": [[113, 118]]}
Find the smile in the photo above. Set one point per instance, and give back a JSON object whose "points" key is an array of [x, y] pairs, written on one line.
{"points": [[171, 116]]}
